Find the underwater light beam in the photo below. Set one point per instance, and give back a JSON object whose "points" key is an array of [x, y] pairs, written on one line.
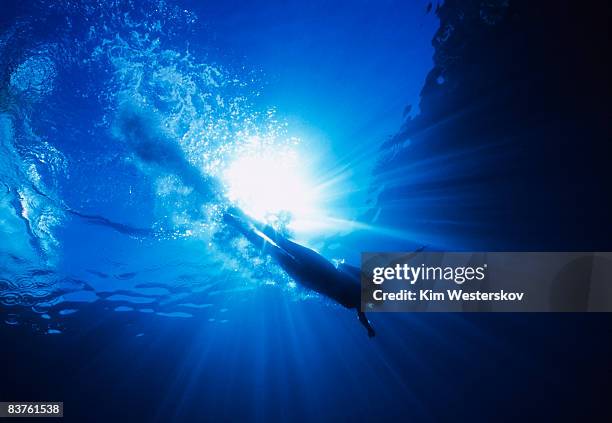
{"points": [[262, 181], [272, 186]]}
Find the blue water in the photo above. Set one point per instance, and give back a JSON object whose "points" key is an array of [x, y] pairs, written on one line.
{"points": [[94, 211], [119, 121]]}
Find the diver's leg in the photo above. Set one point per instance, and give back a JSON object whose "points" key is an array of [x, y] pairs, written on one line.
{"points": [[366, 323]]}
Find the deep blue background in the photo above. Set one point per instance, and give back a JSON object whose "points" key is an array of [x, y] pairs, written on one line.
{"points": [[522, 112]]}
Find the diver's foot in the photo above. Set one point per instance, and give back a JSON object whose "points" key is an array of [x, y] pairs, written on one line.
{"points": [[366, 323]]}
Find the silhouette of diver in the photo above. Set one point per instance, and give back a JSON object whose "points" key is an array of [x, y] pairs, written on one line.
{"points": [[305, 266]]}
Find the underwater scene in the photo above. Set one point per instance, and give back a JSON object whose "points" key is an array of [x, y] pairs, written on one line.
{"points": [[148, 149]]}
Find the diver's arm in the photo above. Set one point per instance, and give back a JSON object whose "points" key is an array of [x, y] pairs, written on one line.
{"points": [[239, 221], [243, 226], [366, 323]]}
